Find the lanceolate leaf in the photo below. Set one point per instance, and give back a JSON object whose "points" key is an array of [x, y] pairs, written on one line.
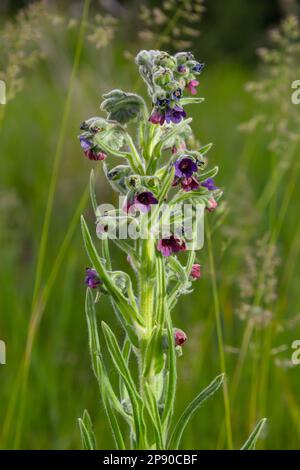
{"points": [[171, 375], [124, 306], [85, 436], [98, 368], [191, 100], [119, 441], [251, 441], [92, 192], [190, 410], [122, 368], [86, 431]]}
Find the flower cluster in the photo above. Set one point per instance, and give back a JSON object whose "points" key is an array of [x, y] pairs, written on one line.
{"points": [[90, 150], [168, 77]]}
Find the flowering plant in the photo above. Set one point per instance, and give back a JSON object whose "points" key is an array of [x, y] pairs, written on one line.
{"points": [[158, 177]]}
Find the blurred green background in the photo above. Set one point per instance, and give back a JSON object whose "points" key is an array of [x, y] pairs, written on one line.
{"points": [[47, 381]]}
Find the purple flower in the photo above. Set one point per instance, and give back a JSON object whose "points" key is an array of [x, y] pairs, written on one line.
{"points": [[189, 184], [185, 167], [157, 117], [144, 200], [177, 94], [167, 246], [192, 86], [179, 337], [92, 279], [85, 144], [175, 114], [209, 184], [198, 67]]}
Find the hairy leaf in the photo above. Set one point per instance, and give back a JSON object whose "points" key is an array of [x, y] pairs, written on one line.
{"points": [[122, 106], [251, 441], [190, 410]]}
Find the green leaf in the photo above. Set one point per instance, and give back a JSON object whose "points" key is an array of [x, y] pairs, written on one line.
{"points": [[122, 368], [251, 441], [122, 106], [117, 434], [171, 379], [92, 192], [190, 410], [191, 100], [86, 438], [126, 309], [98, 368], [209, 174], [94, 343], [151, 404], [206, 148]]}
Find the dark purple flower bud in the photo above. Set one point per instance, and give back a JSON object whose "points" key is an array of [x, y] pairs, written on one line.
{"points": [[167, 246], [163, 102], [196, 271], [192, 86], [185, 167], [198, 67], [189, 184], [181, 68], [177, 94], [209, 184], [92, 279], [179, 337], [175, 114], [157, 117]]}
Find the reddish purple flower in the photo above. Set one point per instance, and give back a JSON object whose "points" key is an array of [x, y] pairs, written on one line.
{"points": [[144, 200], [192, 86], [167, 246], [196, 271], [212, 205], [141, 202], [185, 167], [189, 184], [179, 337], [209, 184], [175, 114], [92, 279], [89, 151], [157, 117]]}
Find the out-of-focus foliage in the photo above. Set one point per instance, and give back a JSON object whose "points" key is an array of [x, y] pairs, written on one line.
{"points": [[281, 68], [175, 23]]}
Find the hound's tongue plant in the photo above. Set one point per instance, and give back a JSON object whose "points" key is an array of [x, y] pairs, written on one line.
{"points": [[158, 178]]}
